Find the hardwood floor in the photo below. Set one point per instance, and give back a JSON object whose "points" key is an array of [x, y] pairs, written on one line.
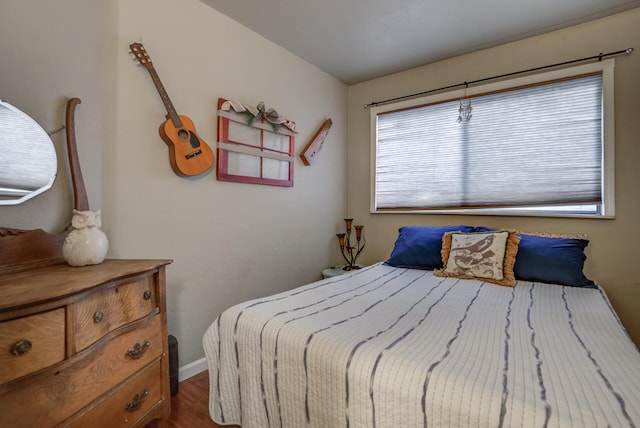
{"points": [[190, 406]]}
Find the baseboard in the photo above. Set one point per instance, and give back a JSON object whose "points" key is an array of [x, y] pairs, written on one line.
{"points": [[192, 369]]}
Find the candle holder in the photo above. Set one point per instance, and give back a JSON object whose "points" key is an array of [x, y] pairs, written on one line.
{"points": [[350, 252]]}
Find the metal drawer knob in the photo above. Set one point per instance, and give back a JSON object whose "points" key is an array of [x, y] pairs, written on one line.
{"points": [[147, 295], [97, 317], [135, 404], [138, 350], [21, 348]]}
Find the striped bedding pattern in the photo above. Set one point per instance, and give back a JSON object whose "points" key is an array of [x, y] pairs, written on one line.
{"points": [[393, 347]]}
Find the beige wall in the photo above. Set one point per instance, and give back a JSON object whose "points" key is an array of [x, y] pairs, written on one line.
{"points": [[229, 242], [50, 52], [613, 252]]}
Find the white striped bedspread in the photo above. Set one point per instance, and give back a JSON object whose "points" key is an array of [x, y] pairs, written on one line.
{"points": [[393, 347]]}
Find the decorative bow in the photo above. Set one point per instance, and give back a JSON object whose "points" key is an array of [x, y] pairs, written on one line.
{"points": [[270, 115], [259, 112]]}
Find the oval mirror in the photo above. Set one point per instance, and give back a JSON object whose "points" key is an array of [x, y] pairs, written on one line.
{"points": [[28, 162]]}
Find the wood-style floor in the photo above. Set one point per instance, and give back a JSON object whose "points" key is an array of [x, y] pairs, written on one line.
{"points": [[190, 406]]}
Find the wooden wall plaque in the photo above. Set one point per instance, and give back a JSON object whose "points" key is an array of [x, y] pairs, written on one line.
{"points": [[310, 153]]}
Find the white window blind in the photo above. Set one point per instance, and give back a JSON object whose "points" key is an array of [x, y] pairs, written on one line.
{"points": [[537, 145]]}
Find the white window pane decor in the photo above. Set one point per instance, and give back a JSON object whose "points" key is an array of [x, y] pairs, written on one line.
{"points": [[534, 148]]}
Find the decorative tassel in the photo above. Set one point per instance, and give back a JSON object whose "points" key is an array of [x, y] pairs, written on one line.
{"points": [[464, 111]]}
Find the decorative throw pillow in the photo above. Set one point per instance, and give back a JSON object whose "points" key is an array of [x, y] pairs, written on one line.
{"points": [[420, 247], [488, 256]]}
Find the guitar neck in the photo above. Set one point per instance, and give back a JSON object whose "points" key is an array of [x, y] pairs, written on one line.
{"points": [[171, 111]]}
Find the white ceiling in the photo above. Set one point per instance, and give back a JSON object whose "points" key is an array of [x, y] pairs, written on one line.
{"points": [[357, 40]]}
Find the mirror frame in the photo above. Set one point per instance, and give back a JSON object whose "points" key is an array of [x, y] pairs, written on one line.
{"points": [[34, 152], [22, 248]]}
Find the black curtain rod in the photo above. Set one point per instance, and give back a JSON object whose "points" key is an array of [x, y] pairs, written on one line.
{"points": [[599, 57]]}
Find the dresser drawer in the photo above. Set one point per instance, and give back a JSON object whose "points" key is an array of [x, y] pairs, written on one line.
{"points": [[109, 308], [66, 389], [124, 406], [31, 343]]}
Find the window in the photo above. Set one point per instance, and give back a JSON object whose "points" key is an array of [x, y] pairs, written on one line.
{"points": [[536, 145]]}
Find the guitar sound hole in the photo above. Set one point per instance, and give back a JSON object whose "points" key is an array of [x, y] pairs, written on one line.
{"points": [[183, 135], [195, 142]]}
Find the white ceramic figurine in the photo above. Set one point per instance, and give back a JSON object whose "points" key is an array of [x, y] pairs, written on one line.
{"points": [[86, 244]]}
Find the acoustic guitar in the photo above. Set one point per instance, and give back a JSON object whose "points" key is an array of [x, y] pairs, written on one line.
{"points": [[189, 155]]}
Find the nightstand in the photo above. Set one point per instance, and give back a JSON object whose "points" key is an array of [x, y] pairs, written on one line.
{"points": [[336, 271]]}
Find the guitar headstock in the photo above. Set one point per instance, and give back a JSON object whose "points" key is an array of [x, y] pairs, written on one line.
{"points": [[139, 52]]}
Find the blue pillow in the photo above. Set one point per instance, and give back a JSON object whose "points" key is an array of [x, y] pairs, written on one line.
{"points": [[552, 260], [420, 247]]}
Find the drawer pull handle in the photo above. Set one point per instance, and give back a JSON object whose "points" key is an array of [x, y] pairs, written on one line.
{"points": [[147, 295], [137, 401], [138, 350], [21, 348], [97, 317]]}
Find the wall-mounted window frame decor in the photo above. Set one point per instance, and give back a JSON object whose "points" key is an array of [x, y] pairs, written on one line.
{"points": [[255, 145]]}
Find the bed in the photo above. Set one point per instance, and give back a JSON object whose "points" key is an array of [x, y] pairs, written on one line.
{"points": [[411, 343]]}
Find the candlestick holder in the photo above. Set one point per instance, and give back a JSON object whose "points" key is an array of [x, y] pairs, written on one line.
{"points": [[350, 251]]}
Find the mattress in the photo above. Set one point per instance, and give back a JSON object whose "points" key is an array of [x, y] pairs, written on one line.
{"points": [[395, 347]]}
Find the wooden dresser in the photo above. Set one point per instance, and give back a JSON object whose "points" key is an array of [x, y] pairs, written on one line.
{"points": [[84, 346]]}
